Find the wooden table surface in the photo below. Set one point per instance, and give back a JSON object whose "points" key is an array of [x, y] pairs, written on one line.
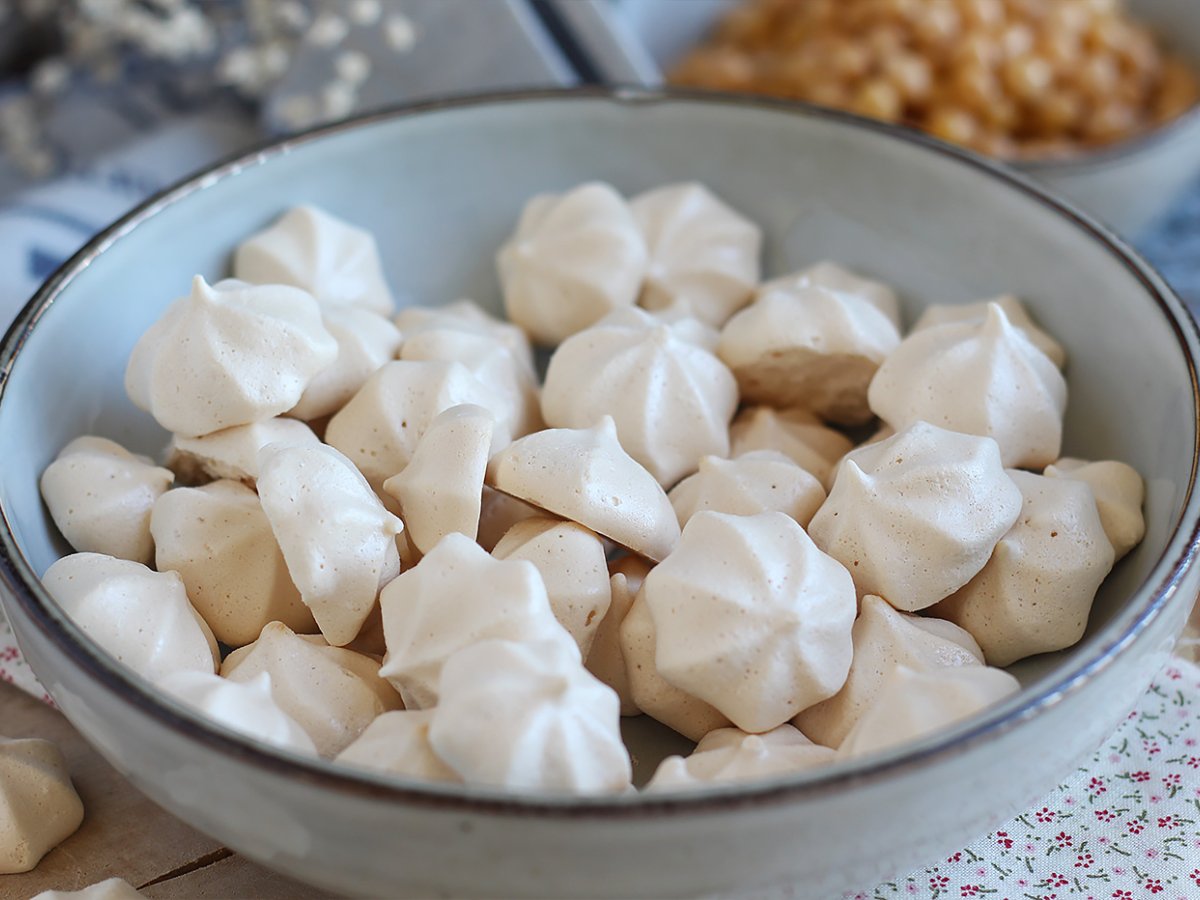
{"points": [[125, 835]]}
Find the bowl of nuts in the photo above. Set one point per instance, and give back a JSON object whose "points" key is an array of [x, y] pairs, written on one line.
{"points": [[803, 514]]}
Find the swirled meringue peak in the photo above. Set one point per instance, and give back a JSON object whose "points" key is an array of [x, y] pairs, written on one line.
{"points": [[308, 248], [243, 706], [731, 755], [1036, 591], [885, 638], [915, 704], [916, 516], [106, 596], [100, 496], [233, 452], [365, 341], [704, 255], [336, 536], [331, 692], [980, 377], [606, 660], [795, 433], [808, 347], [109, 889], [1119, 492], [455, 596], [219, 540], [754, 482], [584, 475], [683, 324], [573, 258], [671, 400], [751, 617], [1014, 309], [469, 316], [398, 743], [39, 807], [228, 354], [835, 277], [529, 716]]}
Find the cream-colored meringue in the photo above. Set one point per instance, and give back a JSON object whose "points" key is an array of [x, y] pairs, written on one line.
{"points": [[1018, 316], [584, 475], [838, 278], [398, 743], [573, 258], [754, 482], [606, 660], [1036, 591], [467, 315], [233, 452], [885, 638], [228, 354], [751, 617], [1119, 492], [218, 539], [808, 347], [653, 694], [571, 561], [730, 754], [528, 716], [980, 377], [915, 517], [682, 323], [247, 707], [308, 248], [671, 399], [100, 496], [915, 704], [110, 889], [365, 341], [795, 433], [39, 808], [379, 428], [141, 617], [499, 513], [704, 255], [331, 692], [336, 536], [455, 596]]}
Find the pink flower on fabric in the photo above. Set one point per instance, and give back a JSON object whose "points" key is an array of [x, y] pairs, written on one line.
{"points": [[1084, 861], [1173, 779], [1140, 776], [1056, 880], [1133, 826], [1096, 786], [1004, 840], [1154, 885], [1167, 822], [1045, 814], [1104, 815], [1062, 840]]}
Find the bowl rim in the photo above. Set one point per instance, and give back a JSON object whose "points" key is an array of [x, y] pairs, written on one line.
{"points": [[1162, 583]]}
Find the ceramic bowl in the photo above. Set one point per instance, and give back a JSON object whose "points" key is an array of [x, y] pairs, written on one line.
{"points": [[441, 186]]}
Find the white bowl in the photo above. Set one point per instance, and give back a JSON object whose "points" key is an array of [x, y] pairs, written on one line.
{"points": [[441, 185]]}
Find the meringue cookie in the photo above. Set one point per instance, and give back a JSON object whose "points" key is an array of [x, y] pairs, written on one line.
{"points": [[110, 889], [467, 315], [247, 707], [754, 482], [365, 341], [379, 428], [682, 323], [795, 433], [915, 517], [808, 347], [100, 496], [571, 561], [653, 694], [218, 539], [308, 248], [1119, 493], [529, 716], [751, 617], [228, 354], [338, 540], [838, 278], [441, 489], [398, 743], [731, 755], [330, 692], [605, 660], [233, 452], [703, 254], [584, 475], [39, 808], [1018, 316], [982, 377], [1036, 591], [915, 704], [671, 400], [885, 638], [106, 596], [499, 513], [455, 596], [573, 258]]}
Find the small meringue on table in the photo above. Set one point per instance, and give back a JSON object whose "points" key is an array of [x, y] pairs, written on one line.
{"points": [[732, 755], [110, 889], [795, 433], [233, 452], [1018, 316], [835, 277], [398, 743], [39, 808], [365, 341], [1119, 492], [754, 482]]}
